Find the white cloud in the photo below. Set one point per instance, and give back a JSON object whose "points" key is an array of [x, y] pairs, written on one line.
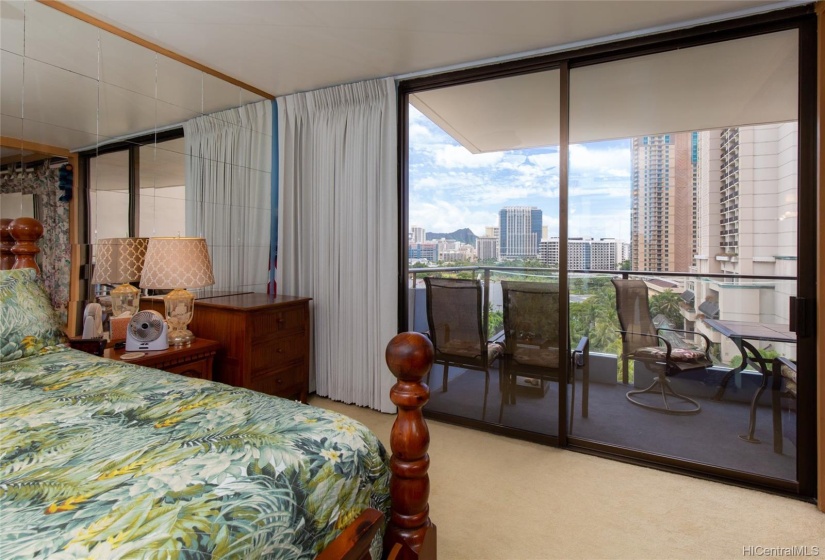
{"points": [[452, 188], [459, 156]]}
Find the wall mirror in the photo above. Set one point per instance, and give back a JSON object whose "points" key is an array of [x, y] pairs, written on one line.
{"points": [[70, 87]]}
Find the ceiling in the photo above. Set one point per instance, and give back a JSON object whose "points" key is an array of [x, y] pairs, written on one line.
{"points": [[284, 47], [68, 84]]}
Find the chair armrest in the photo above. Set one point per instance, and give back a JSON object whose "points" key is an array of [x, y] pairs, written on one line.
{"points": [[707, 340], [581, 352], [656, 336], [784, 362]]}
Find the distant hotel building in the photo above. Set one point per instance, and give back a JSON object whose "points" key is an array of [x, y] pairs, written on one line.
{"points": [[746, 223], [519, 232], [424, 251], [417, 234], [584, 253], [662, 202], [487, 248]]}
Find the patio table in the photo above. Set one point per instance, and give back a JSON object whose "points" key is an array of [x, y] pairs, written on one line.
{"points": [[740, 332]]}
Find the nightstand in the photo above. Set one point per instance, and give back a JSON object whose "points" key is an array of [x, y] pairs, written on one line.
{"points": [[264, 340], [194, 360]]}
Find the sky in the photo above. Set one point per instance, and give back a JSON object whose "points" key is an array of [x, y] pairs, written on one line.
{"points": [[451, 188]]}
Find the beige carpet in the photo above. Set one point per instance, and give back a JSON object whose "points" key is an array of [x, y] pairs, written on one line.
{"points": [[494, 497]]}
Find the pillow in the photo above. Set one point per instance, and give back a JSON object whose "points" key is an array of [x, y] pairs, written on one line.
{"points": [[28, 323]]}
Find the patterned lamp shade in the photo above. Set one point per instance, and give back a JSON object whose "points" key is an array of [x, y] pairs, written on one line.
{"points": [[119, 260], [177, 262]]}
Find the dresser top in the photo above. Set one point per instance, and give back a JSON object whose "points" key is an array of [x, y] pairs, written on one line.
{"points": [[249, 301], [244, 301]]}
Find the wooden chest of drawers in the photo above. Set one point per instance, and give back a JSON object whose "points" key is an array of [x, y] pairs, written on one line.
{"points": [[264, 340]]}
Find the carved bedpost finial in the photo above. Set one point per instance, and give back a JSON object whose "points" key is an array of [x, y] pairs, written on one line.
{"points": [[410, 533], [26, 231], [6, 243]]}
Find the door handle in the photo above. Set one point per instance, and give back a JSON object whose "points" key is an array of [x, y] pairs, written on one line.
{"points": [[798, 322]]}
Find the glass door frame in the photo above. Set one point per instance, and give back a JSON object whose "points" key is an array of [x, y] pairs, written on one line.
{"points": [[800, 18]]}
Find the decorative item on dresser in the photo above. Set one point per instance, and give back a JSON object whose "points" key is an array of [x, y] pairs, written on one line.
{"points": [[264, 340], [194, 360]]}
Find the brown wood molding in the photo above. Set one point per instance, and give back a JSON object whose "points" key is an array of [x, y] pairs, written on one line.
{"points": [[100, 24], [11, 142], [820, 11]]}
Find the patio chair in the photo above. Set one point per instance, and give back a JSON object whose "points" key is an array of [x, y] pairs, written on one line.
{"points": [[531, 342], [456, 329], [783, 371], [643, 342]]}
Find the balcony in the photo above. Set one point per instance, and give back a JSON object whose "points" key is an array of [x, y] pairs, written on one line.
{"points": [[710, 437]]}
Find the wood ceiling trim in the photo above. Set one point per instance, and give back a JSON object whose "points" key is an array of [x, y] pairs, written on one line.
{"points": [[10, 142], [74, 12]]}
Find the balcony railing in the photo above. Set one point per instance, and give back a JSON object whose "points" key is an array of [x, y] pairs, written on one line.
{"points": [[491, 274]]}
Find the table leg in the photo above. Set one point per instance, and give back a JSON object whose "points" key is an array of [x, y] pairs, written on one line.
{"points": [[763, 368], [735, 371]]}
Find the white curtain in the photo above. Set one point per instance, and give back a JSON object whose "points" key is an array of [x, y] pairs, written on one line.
{"points": [[228, 192], [338, 231]]}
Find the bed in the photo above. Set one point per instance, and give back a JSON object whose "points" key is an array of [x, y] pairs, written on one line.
{"points": [[106, 459]]}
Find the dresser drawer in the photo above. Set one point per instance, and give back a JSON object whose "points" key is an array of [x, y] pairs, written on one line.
{"points": [[275, 321], [283, 382], [202, 369], [278, 352]]}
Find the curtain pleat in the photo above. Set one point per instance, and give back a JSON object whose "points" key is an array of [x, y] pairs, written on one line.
{"points": [[228, 192], [338, 231]]}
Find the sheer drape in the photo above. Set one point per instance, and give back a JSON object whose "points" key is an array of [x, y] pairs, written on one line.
{"points": [[338, 231], [228, 191]]}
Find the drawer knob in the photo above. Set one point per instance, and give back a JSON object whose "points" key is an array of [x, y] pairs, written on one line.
{"points": [[279, 351]]}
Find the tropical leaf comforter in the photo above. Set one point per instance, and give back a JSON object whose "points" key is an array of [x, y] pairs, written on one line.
{"points": [[103, 459]]}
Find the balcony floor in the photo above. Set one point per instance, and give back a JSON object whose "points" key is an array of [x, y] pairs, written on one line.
{"points": [[710, 437]]}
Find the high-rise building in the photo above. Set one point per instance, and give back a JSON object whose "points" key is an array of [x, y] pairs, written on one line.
{"points": [[491, 231], [487, 248], [424, 251], [604, 254], [662, 203], [746, 224], [583, 253], [549, 251], [578, 253], [519, 232], [417, 234]]}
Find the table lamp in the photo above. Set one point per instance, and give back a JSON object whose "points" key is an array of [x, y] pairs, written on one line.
{"points": [[120, 261], [177, 263]]}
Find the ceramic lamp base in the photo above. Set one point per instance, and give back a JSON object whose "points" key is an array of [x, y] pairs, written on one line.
{"points": [[125, 299], [180, 305], [181, 337]]}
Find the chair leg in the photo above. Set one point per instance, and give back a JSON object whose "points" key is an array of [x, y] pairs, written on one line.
{"points": [[776, 410], [444, 381], [505, 393], [586, 388], [486, 391], [572, 403], [662, 386]]}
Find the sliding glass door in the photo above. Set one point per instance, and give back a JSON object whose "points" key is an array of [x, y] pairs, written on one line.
{"points": [[656, 208], [696, 191], [483, 203]]}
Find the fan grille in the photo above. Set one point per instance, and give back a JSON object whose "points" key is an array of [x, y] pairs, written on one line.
{"points": [[146, 326]]}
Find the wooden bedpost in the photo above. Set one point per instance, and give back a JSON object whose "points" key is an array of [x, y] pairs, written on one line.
{"points": [[6, 243], [410, 534], [26, 232]]}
